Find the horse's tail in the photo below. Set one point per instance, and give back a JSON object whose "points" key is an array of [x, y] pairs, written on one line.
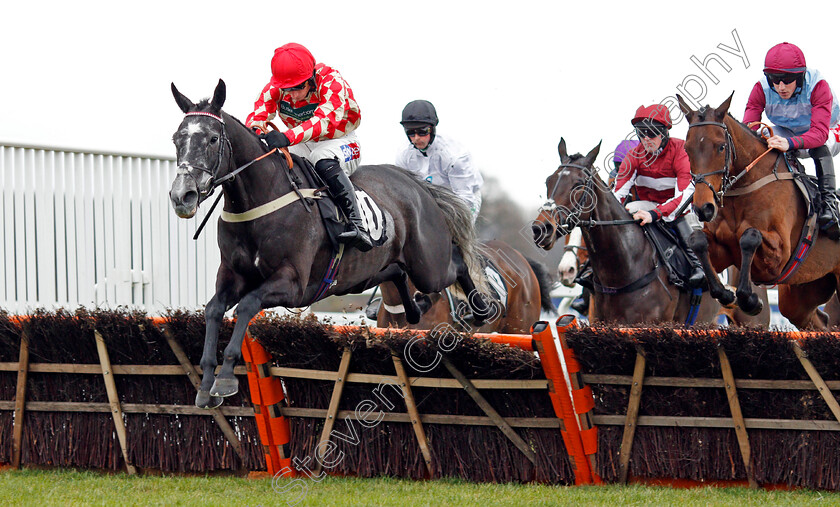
{"points": [[546, 284], [459, 222]]}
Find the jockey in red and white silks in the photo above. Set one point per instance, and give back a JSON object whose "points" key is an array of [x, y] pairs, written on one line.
{"points": [[321, 114]]}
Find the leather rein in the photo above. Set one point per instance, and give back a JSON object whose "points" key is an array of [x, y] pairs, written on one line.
{"points": [[728, 181], [260, 210]]}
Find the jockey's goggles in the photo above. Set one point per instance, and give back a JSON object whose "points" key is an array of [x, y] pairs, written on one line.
{"points": [[295, 88], [419, 131], [645, 131], [781, 77]]}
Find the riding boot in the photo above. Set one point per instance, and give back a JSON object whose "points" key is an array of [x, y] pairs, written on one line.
{"points": [[684, 230], [581, 304], [342, 193], [827, 214]]}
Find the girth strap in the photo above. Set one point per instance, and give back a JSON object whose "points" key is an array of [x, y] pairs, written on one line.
{"points": [[271, 206], [638, 284]]}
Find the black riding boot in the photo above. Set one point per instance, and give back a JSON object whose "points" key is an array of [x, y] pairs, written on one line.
{"points": [[684, 230], [342, 193], [827, 214]]}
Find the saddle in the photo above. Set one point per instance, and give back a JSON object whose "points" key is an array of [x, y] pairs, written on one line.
{"points": [[670, 252], [667, 248], [332, 217]]}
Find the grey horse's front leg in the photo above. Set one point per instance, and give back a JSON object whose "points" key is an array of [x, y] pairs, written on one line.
{"points": [[213, 315], [226, 383]]}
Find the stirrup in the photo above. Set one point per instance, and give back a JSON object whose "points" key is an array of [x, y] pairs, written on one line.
{"points": [[696, 278], [356, 238], [579, 305]]}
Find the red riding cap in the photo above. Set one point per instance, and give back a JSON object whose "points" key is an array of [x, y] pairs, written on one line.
{"points": [[656, 112], [784, 57], [291, 65]]}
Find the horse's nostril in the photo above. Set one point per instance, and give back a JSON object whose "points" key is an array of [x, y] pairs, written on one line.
{"points": [[707, 212], [190, 198]]}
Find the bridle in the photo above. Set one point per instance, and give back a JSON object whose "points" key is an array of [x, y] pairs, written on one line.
{"points": [[727, 181], [572, 218], [223, 139]]}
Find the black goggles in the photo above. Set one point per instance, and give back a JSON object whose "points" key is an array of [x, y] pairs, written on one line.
{"points": [[419, 131], [295, 88], [646, 131], [781, 77]]}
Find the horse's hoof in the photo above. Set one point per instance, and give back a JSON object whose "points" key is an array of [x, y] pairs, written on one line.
{"points": [[204, 400], [752, 306], [423, 301], [224, 387], [727, 299]]}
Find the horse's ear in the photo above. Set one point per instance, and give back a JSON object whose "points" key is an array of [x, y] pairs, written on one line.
{"points": [[219, 95], [686, 109], [722, 109], [561, 149], [184, 103], [593, 154]]}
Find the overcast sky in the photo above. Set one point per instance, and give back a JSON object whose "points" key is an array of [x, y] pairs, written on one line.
{"points": [[507, 81]]}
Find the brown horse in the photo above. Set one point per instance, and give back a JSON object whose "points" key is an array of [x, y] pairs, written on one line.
{"points": [[528, 290], [757, 231], [631, 285]]}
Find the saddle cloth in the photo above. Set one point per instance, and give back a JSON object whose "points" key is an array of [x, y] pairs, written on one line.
{"points": [[333, 218]]}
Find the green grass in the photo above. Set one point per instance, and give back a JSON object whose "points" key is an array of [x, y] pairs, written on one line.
{"points": [[67, 487]]}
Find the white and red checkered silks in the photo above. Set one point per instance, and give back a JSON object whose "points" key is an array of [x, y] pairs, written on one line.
{"points": [[320, 126]]}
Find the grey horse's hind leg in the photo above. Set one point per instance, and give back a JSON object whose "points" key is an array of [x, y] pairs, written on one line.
{"points": [[414, 308], [481, 304]]}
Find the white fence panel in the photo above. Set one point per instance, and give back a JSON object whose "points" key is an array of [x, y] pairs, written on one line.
{"points": [[96, 229]]}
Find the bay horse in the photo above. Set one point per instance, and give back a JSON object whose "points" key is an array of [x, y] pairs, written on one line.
{"points": [[757, 231], [528, 287], [284, 257], [634, 286]]}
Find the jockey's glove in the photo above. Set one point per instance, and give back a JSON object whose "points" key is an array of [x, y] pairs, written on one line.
{"points": [[275, 139]]}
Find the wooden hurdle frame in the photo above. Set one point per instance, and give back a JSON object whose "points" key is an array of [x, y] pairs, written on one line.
{"points": [[23, 367], [540, 342], [728, 382]]}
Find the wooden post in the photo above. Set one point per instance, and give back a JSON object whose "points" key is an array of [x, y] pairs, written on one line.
{"points": [[113, 399], [737, 417], [413, 413], [818, 381], [192, 374], [20, 397], [490, 411], [332, 411], [631, 418]]}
